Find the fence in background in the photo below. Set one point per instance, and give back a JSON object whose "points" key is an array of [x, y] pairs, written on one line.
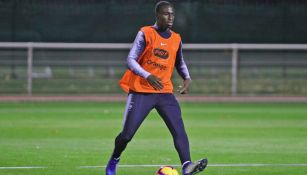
{"points": [[92, 68]]}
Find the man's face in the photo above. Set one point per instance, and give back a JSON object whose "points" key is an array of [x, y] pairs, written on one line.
{"points": [[165, 17]]}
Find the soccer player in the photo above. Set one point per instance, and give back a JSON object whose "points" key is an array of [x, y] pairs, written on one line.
{"points": [[151, 60]]}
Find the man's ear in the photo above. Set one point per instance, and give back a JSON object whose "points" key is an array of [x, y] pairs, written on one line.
{"points": [[157, 17]]}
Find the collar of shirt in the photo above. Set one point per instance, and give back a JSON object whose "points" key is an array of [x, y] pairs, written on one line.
{"points": [[163, 33]]}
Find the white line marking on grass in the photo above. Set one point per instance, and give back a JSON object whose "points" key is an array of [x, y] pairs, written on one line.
{"points": [[255, 165], [212, 165], [134, 166], [22, 167]]}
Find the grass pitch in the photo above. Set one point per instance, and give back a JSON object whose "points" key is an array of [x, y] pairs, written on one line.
{"points": [[64, 137]]}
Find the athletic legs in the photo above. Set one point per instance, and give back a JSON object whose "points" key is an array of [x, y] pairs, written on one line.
{"points": [[169, 110], [137, 108]]}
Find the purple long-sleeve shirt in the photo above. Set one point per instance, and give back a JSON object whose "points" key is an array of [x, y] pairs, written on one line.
{"points": [[138, 47]]}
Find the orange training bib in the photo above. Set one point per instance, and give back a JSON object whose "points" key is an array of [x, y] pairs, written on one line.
{"points": [[158, 58]]}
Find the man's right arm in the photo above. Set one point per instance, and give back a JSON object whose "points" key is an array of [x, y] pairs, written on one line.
{"points": [[136, 51]]}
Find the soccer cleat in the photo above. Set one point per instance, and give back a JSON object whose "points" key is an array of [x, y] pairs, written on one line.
{"points": [[194, 168], [111, 167]]}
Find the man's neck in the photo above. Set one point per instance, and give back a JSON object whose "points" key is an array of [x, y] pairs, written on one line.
{"points": [[160, 29], [166, 33]]}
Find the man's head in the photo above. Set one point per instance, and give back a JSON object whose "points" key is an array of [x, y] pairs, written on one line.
{"points": [[165, 14]]}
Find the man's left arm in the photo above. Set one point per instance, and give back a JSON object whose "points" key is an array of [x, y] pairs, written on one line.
{"points": [[183, 71]]}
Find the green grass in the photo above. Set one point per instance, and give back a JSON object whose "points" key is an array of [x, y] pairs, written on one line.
{"points": [[65, 136]]}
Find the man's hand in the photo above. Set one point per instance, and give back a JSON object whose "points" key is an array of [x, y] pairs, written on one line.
{"points": [[184, 89], [155, 82]]}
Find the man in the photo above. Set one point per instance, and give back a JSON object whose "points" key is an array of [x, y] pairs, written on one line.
{"points": [[155, 52]]}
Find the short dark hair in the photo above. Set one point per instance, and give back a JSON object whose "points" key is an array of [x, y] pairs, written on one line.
{"points": [[161, 4]]}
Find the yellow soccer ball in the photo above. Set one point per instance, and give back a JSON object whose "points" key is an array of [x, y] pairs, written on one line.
{"points": [[167, 170]]}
